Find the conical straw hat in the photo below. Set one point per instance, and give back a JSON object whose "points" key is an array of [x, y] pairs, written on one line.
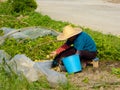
{"points": [[68, 31]]}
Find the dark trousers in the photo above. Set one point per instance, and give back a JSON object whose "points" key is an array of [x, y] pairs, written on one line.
{"points": [[84, 55]]}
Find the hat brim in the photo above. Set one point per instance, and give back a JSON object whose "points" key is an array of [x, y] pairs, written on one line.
{"points": [[62, 36]]}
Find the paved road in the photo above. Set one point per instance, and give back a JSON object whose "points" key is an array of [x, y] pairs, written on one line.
{"points": [[96, 14]]}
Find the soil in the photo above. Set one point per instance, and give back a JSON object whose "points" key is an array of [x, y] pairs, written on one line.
{"points": [[97, 78], [113, 1]]}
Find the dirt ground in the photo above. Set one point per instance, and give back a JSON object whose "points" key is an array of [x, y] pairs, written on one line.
{"points": [[114, 1], [97, 79]]}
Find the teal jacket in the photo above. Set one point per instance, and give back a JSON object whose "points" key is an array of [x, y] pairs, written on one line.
{"points": [[83, 41]]}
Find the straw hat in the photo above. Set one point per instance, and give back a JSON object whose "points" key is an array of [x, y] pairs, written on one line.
{"points": [[68, 31]]}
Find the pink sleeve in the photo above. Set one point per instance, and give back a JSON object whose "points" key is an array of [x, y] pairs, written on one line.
{"points": [[62, 48]]}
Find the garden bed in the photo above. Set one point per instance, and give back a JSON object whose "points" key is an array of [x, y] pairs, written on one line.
{"points": [[101, 78]]}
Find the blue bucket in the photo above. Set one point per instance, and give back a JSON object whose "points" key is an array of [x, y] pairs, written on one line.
{"points": [[72, 63]]}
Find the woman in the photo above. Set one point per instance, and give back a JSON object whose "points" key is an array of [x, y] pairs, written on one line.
{"points": [[78, 42]]}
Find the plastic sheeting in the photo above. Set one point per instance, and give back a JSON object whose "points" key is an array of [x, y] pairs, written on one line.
{"points": [[31, 32], [4, 55], [33, 71], [21, 64], [24, 33], [52, 76]]}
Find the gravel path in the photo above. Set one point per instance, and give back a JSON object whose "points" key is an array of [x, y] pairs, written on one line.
{"points": [[99, 15]]}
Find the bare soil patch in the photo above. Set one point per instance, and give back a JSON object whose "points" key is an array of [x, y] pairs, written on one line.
{"points": [[97, 79]]}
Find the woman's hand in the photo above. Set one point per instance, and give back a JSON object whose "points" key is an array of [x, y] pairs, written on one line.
{"points": [[77, 52], [53, 54]]}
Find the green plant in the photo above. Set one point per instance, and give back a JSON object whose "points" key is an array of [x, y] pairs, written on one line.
{"points": [[5, 8], [22, 5], [1, 33], [116, 71], [85, 80]]}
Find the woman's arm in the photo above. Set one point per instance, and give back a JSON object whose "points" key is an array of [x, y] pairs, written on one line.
{"points": [[62, 48]]}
